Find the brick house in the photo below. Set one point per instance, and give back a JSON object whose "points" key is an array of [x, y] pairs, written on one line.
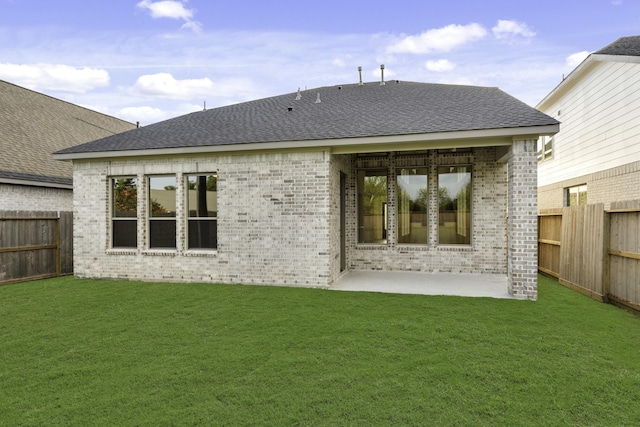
{"points": [[32, 127], [595, 157], [297, 189]]}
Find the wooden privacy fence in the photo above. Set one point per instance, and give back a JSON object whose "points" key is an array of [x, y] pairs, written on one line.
{"points": [[593, 251], [35, 245]]}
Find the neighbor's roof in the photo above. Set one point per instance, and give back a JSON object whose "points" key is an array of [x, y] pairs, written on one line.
{"points": [[625, 46], [34, 125], [343, 112]]}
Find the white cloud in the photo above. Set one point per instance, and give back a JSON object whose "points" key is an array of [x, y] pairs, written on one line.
{"points": [[575, 59], [440, 65], [442, 39], [58, 77], [173, 10], [164, 85], [143, 115], [506, 28], [166, 9]]}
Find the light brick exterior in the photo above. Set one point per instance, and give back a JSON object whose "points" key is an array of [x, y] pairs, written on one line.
{"points": [[523, 220], [28, 198], [487, 252], [279, 219], [273, 223]]}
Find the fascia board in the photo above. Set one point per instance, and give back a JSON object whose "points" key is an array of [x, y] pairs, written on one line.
{"points": [[30, 183], [475, 138]]}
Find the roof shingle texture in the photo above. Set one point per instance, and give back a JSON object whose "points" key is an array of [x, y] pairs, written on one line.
{"points": [[34, 125], [626, 46], [344, 111]]}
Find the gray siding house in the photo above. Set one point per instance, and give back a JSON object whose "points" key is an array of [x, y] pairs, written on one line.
{"points": [[32, 127], [299, 188], [595, 158]]}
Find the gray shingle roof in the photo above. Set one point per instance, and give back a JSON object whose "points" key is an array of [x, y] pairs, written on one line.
{"points": [[344, 111], [34, 125], [626, 46]]}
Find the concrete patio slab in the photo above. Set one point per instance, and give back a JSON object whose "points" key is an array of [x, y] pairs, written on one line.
{"points": [[404, 282]]}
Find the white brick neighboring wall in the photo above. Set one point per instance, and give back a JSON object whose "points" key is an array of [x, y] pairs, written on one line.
{"points": [[273, 225], [27, 198]]}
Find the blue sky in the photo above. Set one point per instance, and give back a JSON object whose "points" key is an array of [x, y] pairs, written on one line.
{"points": [[147, 60]]}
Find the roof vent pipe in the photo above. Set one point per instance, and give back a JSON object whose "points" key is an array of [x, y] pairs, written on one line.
{"points": [[360, 73], [318, 99], [299, 95], [382, 74]]}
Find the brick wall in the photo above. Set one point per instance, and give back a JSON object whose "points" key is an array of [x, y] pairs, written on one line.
{"points": [[608, 186], [523, 221], [279, 219], [27, 198], [487, 252], [273, 223]]}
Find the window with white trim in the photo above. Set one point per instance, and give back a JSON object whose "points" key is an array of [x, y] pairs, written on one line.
{"points": [[577, 195], [545, 148]]}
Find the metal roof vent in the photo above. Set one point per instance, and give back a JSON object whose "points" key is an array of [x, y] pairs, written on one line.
{"points": [[299, 95], [318, 99], [360, 73], [382, 74]]}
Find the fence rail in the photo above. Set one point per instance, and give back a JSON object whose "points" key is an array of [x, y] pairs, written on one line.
{"points": [[35, 245], [593, 251]]}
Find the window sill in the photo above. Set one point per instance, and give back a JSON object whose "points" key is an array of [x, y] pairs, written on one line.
{"points": [[122, 251], [372, 246], [160, 252], [455, 248], [201, 252]]}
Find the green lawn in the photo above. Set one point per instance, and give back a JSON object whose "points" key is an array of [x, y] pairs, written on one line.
{"points": [[89, 352]]}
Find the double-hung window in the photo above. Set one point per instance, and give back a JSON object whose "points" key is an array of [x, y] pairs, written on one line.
{"points": [[202, 206], [162, 211], [124, 212]]}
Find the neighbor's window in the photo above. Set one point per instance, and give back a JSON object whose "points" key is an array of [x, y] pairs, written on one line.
{"points": [[577, 195], [412, 205], [162, 211], [454, 202], [124, 212], [202, 205], [545, 148], [372, 206]]}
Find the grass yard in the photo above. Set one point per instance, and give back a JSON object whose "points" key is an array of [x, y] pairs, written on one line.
{"points": [[90, 352]]}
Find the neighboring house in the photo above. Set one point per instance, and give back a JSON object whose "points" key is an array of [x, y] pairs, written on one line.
{"points": [[32, 127], [595, 158], [297, 189]]}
